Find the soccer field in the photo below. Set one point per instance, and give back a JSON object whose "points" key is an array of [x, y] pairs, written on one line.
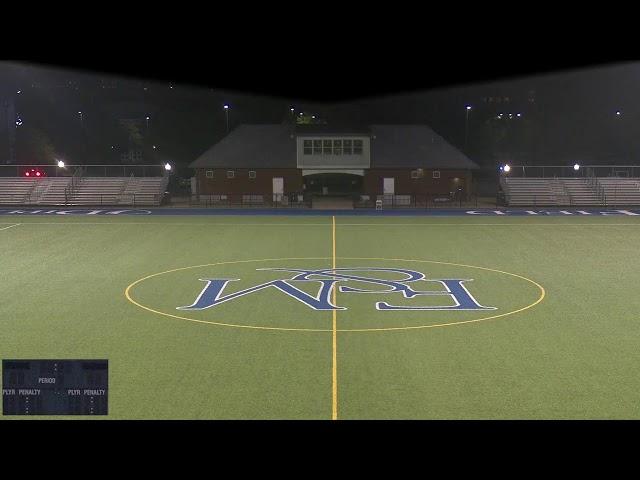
{"points": [[546, 324]]}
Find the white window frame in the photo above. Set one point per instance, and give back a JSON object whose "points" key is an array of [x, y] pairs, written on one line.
{"points": [[252, 174], [231, 174], [436, 174], [208, 174]]}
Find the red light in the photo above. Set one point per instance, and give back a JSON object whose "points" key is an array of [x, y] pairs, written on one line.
{"points": [[37, 174], [27, 174]]}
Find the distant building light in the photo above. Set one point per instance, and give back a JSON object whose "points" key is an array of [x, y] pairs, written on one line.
{"points": [[154, 147], [60, 164], [468, 107], [618, 112], [19, 92], [506, 168], [576, 167], [167, 167], [518, 114], [226, 107]]}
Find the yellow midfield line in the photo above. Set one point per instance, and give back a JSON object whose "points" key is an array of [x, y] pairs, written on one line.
{"points": [[334, 414]]}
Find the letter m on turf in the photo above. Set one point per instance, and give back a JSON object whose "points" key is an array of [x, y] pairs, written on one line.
{"points": [[211, 294]]}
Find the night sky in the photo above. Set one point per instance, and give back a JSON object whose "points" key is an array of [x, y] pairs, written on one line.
{"points": [[564, 117]]}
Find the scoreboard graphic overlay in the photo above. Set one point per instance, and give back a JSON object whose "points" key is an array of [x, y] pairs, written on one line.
{"points": [[55, 387]]}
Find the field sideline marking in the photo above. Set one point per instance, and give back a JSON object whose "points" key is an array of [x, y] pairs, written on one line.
{"points": [[169, 224], [335, 330], [180, 224], [10, 226]]}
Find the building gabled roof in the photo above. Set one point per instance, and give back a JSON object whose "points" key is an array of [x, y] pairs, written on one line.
{"points": [[252, 146], [392, 146], [414, 146], [333, 129]]}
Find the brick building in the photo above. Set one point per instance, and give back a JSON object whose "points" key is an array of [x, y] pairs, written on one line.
{"points": [[400, 160]]}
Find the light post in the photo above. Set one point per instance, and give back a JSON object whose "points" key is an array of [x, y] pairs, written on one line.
{"points": [[148, 118], [466, 125], [81, 119], [226, 115]]}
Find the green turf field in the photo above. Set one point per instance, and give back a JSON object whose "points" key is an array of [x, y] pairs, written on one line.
{"points": [[563, 339]]}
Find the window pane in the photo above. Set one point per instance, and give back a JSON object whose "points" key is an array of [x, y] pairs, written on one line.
{"points": [[357, 147], [337, 151], [307, 151], [317, 147], [307, 144], [337, 144], [327, 146]]}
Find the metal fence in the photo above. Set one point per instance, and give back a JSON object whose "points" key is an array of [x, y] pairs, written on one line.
{"points": [[87, 170], [300, 200], [253, 200], [550, 171], [396, 201]]}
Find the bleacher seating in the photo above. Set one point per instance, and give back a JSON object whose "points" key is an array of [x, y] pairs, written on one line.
{"points": [[580, 192], [561, 191], [144, 191], [98, 191], [621, 191], [16, 190], [523, 191], [92, 191], [50, 191]]}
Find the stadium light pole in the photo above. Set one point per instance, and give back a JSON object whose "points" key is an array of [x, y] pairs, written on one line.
{"points": [[226, 115], [466, 125]]}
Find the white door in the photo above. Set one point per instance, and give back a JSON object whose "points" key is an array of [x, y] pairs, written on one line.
{"points": [[388, 186], [278, 188]]}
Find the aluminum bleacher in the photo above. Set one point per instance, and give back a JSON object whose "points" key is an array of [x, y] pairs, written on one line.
{"points": [[144, 191], [91, 191], [580, 192], [568, 191], [523, 191], [621, 191], [119, 191], [16, 190]]}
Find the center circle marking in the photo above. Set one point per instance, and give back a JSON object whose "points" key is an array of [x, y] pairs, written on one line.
{"points": [[129, 297]]}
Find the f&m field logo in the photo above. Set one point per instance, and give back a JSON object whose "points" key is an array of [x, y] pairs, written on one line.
{"points": [[364, 294], [452, 289]]}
